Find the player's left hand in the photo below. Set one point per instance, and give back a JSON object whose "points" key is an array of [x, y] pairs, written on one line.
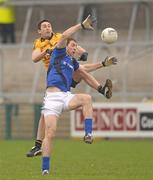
{"points": [[109, 61], [89, 22], [83, 57], [49, 51]]}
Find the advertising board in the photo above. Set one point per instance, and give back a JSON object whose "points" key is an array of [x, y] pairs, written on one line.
{"points": [[116, 120]]}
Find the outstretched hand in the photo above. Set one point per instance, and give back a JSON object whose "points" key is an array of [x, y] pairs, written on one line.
{"points": [[109, 61], [89, 22]]}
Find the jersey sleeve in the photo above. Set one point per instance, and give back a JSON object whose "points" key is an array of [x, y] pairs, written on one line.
{"points": [[58, 35], [36, 44], [75, 64], [59, 52]]}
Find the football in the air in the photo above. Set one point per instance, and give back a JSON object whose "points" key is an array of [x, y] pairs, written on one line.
{"points": [[109, 35]]}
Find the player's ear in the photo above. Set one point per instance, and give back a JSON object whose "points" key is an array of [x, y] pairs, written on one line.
{"points": [[39, 31]]}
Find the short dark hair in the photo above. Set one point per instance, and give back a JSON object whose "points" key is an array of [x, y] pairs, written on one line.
{"points": [[70, 39], [44, 20]]}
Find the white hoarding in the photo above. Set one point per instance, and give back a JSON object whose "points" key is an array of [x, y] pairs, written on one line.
{"points": [[116, 120]]}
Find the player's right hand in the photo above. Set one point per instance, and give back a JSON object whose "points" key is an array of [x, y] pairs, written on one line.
{"points": [[88, 23], [109, 61], [83, 57]]}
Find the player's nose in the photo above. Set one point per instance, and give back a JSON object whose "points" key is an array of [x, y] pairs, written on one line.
{"points": [[74, 49]]}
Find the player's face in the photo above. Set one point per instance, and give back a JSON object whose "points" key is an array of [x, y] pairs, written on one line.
{"points": [[45, 30], [71, 48]]}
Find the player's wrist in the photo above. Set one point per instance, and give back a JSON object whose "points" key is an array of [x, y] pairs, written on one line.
{"points": [[103, 63], [82, 26], [48, 51]]}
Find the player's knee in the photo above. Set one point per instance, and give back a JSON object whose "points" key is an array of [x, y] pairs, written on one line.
{"points": [[88, 99]]}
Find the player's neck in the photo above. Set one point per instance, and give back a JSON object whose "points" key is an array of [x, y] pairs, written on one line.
{"points": [[46, 38]]}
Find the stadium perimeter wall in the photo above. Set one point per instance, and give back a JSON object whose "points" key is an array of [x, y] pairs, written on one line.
{"points": [[20, 121], [110, 120]]}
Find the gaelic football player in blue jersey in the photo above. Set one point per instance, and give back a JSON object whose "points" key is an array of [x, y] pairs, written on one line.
{"points": [[58, 97]]}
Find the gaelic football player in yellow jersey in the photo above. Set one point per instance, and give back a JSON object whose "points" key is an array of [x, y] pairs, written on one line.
{"points": [[44, 45], [42, 50]]}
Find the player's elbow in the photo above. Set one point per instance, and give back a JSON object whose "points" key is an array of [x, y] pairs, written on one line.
{"points": [[84, 68], [35, 59]]}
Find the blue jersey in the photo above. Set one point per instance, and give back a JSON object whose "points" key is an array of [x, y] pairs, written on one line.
{"points": [[61, 70]]}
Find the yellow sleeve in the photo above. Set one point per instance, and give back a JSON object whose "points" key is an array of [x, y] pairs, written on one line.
{"points": [[36, 44]]}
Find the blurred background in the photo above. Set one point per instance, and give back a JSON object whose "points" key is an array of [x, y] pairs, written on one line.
{"points": [[22, 82]]}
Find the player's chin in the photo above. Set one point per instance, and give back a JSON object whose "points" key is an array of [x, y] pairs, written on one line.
{"points": [[48, 35], [71, 53], [74, 55]]}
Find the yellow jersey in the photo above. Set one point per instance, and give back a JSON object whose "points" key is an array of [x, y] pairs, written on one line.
{"points": [[44, 44]]}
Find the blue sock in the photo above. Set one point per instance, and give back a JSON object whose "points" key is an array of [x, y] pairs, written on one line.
{"points": [[88, 125], [45, 163]]}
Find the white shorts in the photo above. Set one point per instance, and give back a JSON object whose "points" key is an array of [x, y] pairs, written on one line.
{"points": [[56, 102]]}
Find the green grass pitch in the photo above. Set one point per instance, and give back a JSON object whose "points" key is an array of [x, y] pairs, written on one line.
{"points": [[75, 160]]}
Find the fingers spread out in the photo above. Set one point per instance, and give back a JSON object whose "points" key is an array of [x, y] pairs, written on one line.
{"points": [[114, 60], [89, 22]]}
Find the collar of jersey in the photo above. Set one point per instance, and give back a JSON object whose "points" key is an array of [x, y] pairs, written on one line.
{"points": [[43, 39]]}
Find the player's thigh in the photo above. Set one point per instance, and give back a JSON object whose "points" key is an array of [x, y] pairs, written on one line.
{"points": [[78, 101]]}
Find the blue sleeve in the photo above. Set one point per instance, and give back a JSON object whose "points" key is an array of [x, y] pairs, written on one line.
{"points": [[61, 51], [75, 64]]}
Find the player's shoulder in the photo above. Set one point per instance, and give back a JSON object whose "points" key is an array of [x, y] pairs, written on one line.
{"points": [[55, 38], [57, 35], [37, 42]]}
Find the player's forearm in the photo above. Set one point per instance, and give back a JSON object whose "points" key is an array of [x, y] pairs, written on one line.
{"points": [[37, 56], [69, 32], [86, 24], [92, 67]]}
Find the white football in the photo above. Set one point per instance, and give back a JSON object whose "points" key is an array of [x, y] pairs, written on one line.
{"points": [[109, 35]]}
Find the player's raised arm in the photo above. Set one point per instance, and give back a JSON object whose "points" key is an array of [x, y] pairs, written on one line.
{"points": [[86, 24]]}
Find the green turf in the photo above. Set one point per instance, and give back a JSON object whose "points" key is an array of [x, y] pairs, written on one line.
{"points": [[74, 160]]}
